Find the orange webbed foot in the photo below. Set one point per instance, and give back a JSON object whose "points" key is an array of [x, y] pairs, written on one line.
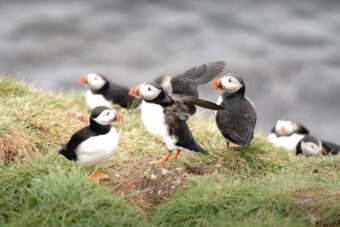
{"points": [[99, 175], [164, 159]]}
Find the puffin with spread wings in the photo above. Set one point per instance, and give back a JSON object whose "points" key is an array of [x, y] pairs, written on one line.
{"points": [[167, 106]]}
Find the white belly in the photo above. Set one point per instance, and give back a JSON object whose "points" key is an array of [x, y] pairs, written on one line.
{"points": [[94, 101], [286, 142], [97, 149], [154, 121]]}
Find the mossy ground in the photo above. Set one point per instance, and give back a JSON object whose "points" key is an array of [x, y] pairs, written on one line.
{"points": [[259, 186]]}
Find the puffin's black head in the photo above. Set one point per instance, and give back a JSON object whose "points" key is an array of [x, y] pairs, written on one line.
{"points": [[310, 146], [231, 83], [150, 92], [287, 128], [105, 116], [94, 81]]}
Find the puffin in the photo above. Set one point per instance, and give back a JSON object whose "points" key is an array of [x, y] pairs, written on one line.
{"points": [[286, 134], [311, 146], [103, 92], [237, 122], [165, 113], [94, 143]]}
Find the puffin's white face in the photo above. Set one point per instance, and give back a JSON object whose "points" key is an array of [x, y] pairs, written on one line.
{"points": [[148, 91], [106, 117], [284, 128], [95, 81], [309, 148], [230, 84]]}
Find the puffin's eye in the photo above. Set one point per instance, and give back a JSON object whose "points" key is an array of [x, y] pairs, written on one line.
{"points": [[229, 80], [149, 88], [108, 113]]}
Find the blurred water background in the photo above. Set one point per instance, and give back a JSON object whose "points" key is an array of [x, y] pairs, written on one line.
{"points": [[287, 51]]}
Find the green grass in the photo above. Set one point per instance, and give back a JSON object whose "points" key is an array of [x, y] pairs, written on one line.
{"points": [[258, 186], [273, 200], [49, 191]]}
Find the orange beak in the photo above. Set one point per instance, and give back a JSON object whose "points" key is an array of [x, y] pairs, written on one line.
{"points": [[119, 117], [215, 84], [133, 91], [323, 150], [83, 80]]}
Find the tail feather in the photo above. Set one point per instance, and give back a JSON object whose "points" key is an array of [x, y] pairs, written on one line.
{"points": [[69, 154], [63, 148], [186, 139]]}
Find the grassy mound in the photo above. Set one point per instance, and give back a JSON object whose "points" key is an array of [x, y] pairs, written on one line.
{"points": [[49, 191], [260, 185], [273, 200], [32, 121]]}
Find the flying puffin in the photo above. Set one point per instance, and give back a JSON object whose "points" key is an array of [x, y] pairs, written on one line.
{"points": [[287, 134], [103, 92], [310, 146], [237, 122], [164, 114], [96, 142]]}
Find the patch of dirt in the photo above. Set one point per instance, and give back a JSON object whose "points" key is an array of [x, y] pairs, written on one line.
{"points": [[314, 201], [315, 198], [15, 146], [147, 185]]}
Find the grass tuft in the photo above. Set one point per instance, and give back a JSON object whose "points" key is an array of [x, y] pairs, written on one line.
{"points": [[55, 193], [32, 120], [276, 200]]}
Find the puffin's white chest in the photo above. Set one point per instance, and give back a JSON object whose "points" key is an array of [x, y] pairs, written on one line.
{"points": [[94, 100], [287, 142], [153, 119], [97, 149]]}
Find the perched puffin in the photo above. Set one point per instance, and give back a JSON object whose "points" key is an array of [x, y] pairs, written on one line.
{"points": [[287, 134], [103, 92], [164, 115], [237, 122], [310, 146], [187, 83], [96, 142]]}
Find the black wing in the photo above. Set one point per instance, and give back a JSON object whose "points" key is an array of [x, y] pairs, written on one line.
{"points": [[176, 116], [69, 150], [298, 148], [187, 82], [186, 139], [185, 106], [204, 73], [200, 102], [331, 148], [120, 95]]}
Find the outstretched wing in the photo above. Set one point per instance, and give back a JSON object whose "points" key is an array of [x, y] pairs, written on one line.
{"points": [[187, 82], [185, 106], [202, 74]]}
